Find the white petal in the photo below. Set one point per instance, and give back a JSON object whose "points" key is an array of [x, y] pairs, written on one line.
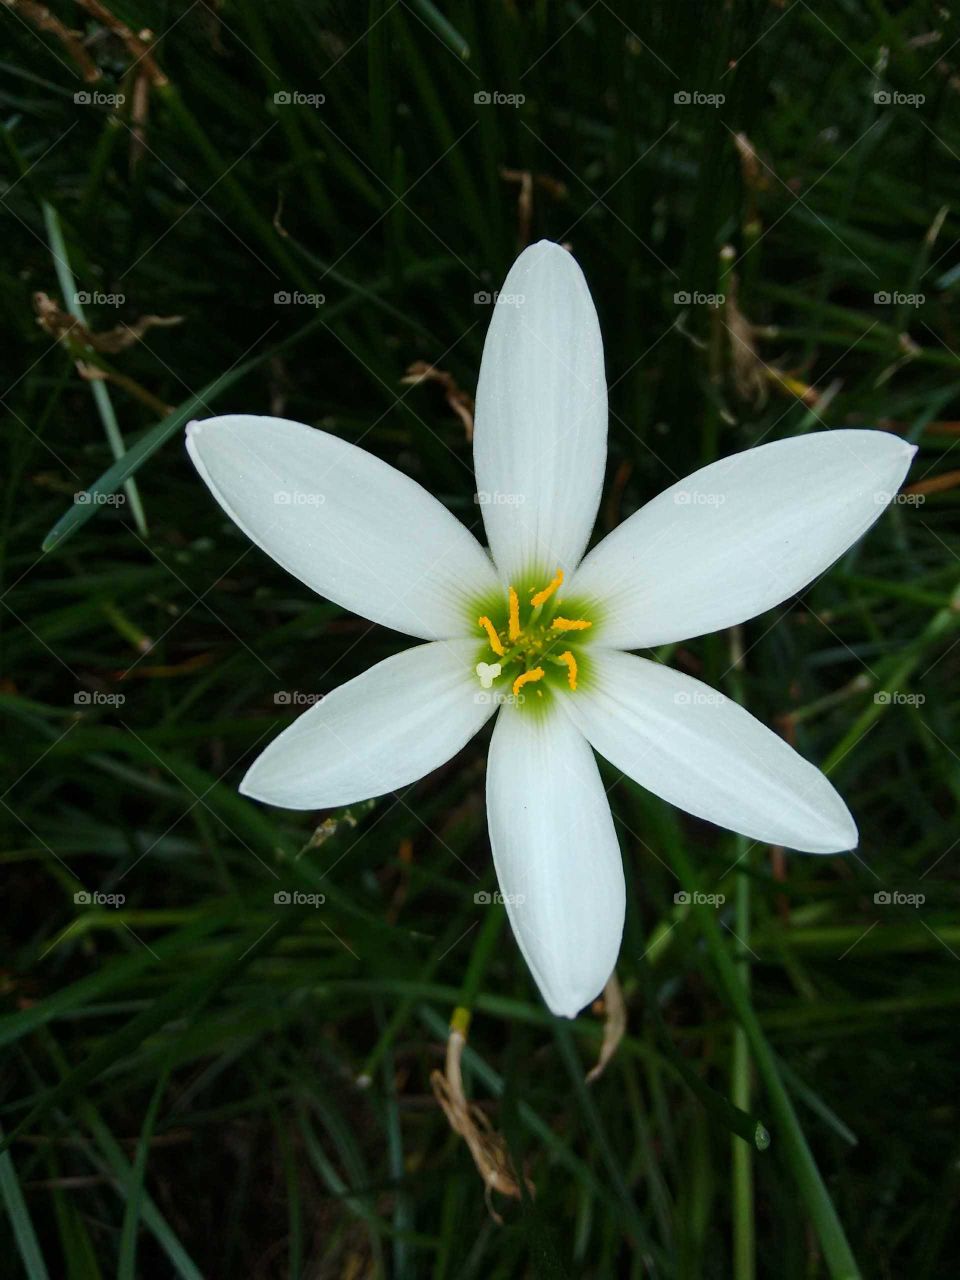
{"points": [[540, 441], [350, 526], [387, 728], [704, 753], [739, 536], [556, 855]]}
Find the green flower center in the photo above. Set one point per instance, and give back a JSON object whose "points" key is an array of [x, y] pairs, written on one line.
{"points": [[534, 644]]}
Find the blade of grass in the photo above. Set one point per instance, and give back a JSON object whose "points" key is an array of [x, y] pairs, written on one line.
{"points": [[787, 1130], [26, 1237], [148, 443], [98, 388], [133, 1212]]}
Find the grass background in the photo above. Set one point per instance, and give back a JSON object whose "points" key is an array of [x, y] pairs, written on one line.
{"points": [[202, 1083]]}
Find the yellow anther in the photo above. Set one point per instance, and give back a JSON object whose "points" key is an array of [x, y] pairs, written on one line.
{"points": [[570, 662], [513, 626], [570, 624], [542, 596], [528, 677], [490, 629]]}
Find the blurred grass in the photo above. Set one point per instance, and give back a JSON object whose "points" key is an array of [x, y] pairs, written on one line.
{"points": [[207, 1083]]}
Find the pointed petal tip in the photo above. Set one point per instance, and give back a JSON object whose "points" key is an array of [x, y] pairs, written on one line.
{"points": [[255, 787], [237, 421], [191, 440], [838, 834], [567, 999], [906, 450], [266, 784], [848, 837], [245, 785], [571, 1001], [899, 452], [838, 831], [830, 830], [193, 431], [564, 1011], [559, 997], [194, 444], [549, 253], [196, 425]]}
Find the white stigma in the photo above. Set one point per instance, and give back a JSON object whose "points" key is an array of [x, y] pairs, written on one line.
{"points": [[488, 672]]}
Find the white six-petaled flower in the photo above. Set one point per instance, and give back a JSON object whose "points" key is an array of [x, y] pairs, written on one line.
{"points": [[535, 629]]}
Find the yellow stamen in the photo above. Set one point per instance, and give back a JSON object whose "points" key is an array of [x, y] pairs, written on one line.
{"points": [[570, 662], [570, 624], [528, 677], [513, 626], [542, 596], [490, 629]]}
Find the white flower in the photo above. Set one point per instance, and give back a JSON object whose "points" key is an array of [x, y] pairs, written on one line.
{"points": [[537, 630]]}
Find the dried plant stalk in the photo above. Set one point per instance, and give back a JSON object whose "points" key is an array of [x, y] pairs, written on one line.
{"points": [[487, 1147], [614, 1026]]}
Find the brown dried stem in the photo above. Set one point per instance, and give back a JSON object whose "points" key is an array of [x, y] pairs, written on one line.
{"points": [[487, 1147]]}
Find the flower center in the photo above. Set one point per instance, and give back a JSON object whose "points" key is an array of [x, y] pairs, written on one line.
{"points": [[532, 642]]}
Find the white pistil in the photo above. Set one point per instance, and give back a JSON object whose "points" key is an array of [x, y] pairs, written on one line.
{"points": [[488, 672]]}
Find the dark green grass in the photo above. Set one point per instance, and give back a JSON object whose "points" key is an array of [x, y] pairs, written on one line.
{"points": [[205, 1083]]}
